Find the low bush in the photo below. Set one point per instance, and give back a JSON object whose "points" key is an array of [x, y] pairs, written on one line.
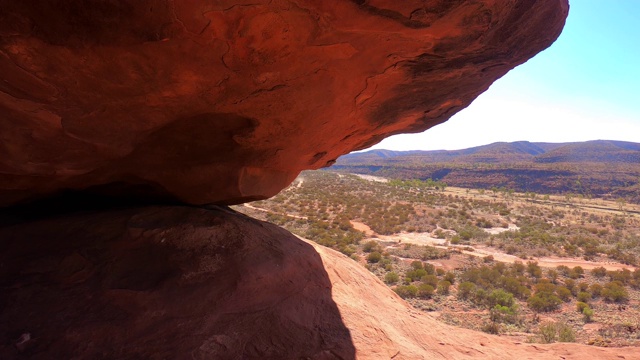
{"points": [[491, 328], [599, 272], [466, 290], [391, 278], [444, 287], [550, 332], [584, 296], [581, 306], [587, 314], [406, 291], [374, 257], [370, 246], [614, 291], [425, 291]]}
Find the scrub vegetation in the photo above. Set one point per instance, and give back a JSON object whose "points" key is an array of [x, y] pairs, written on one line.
{"points": [[540, 268]]}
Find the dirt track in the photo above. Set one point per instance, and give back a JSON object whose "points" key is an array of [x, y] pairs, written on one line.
{"points": [[482, 251]]}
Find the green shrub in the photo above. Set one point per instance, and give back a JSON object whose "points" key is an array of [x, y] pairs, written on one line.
{"points": [[491, 328], [563, 293], [518, 267], [388, 267], [430, 279], [563, 269], [624, 276], [576, 272], [615, 291], [534, 269], [443, 287], [565, 333], [584, 296], [599, 272], [595, 290], [425, 291], [583, 286], [391, 278], [416, 275], [370, 246], [500, 297], [636, 275], [347, 250], [570, 284], [543, 301], [547, 332], [374, 257], [580, 306], [466, 290], [504, 314], [429, 268], [406, 291], [450, 277], [587, 314], [480, 296]]}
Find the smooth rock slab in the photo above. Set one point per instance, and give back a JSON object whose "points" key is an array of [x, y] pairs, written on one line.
{"points": [[164, 283]]}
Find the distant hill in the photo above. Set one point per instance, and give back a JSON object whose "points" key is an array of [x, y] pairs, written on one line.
{"points": [[604, 168]]}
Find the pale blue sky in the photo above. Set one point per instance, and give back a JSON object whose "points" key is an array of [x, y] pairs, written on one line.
{"points": [[586, 86]]}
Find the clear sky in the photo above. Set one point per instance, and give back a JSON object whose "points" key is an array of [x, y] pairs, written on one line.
{"points": [[586, 86]]}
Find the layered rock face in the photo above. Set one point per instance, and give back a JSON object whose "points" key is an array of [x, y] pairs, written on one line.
{"points": [[227, 101]]}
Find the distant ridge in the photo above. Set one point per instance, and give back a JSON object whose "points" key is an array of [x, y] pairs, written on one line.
{"points": [[588, 151], [600, 167]]}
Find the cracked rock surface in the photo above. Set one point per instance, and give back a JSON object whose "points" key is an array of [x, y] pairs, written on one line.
{"points": [[227, 101]]}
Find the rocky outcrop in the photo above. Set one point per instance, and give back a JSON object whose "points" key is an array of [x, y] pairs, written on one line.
{"points": [[164, 283], [189, 283], [106, 104], [226, 101]]}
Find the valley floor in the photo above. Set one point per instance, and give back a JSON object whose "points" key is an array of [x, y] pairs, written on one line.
{"points": [[520, 265]]}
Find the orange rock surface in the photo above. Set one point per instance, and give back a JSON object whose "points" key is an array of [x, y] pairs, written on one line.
{"points": [[226, 101]]}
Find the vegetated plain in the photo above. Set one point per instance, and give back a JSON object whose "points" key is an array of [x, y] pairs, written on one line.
{"points": [[600, 168], [539, 268]]}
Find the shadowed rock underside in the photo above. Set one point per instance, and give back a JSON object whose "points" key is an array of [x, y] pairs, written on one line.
{"points": [[227, 101]]}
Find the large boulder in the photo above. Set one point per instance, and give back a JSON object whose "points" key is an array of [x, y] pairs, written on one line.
{"points": [[164, 283], [226, 101]]}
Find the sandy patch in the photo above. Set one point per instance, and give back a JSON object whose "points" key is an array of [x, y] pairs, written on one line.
{"points": [[372, 178], [498, 230], [418, 239], [362, 227]]}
